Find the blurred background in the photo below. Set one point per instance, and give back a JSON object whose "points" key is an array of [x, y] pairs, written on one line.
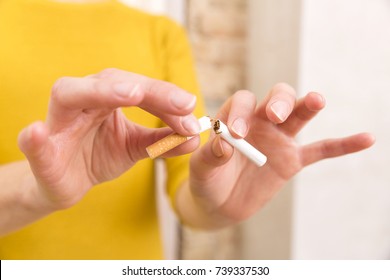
{"points": [[335, 209]]}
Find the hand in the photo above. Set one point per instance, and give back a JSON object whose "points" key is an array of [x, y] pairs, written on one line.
{"points": [[227, 186], [87, 140]]}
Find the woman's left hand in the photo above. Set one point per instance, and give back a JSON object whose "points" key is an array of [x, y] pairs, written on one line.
{"points": [[225, 186]]}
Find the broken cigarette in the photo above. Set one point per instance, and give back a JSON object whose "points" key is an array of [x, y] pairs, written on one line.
{"points": [[173, 140], [240, 144]]}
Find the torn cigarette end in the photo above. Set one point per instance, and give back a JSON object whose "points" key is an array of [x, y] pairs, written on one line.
{"points": [[164, 145], [240, 144]]}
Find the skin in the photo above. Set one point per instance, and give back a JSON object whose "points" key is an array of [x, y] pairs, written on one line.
{"points": [[86, 140], [225, 187], [82, 1]]}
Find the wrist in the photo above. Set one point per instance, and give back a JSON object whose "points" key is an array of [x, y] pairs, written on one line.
{"points": [[196, 213], [30, 196], [20, 204]]}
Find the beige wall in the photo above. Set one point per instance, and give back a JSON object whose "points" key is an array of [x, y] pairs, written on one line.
{"points": [[218, 30], [273, 47]]}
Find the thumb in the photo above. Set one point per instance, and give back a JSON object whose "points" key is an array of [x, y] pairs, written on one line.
{"points": [[214, 153], [32, 141]]}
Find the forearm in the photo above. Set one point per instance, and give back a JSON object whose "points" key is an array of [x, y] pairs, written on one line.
{"points": [[20, 202], [192, 213]]}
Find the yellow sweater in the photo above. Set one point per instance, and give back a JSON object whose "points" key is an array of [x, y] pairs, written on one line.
{"points": [[43, 40]]}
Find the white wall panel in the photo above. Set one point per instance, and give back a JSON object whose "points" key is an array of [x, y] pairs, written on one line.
{"points": [[342, 206]]}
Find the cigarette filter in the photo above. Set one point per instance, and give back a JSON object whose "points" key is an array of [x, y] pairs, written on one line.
{"points": [[173, 140], [240, 144]]}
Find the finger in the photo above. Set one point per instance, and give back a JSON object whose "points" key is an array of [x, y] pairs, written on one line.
{"points": [[278, 104], [305, 109], [214, 153], [33, 141], [159, 95], [239, 110], [335, 147], [184, 125], [85, 93], [73, 93], [70, 96]]}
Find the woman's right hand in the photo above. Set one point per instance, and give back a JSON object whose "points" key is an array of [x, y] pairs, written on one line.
{"points": [[86, 139]]}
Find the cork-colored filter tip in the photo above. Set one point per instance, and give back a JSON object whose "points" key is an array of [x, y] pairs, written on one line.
{"points": [[164, 145], [173, 140]]}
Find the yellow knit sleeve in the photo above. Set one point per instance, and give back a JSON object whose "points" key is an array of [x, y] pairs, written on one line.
{"points": [[179, 69]]}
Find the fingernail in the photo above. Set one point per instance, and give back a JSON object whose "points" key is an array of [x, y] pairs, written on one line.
{"points": [[281, 110], [183, 100], [125, 89], [217, 147], [240, 127], [191, 124]]}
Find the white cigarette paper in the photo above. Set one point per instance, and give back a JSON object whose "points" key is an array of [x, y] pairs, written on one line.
{"points": [[173, 140], [240, 144]]}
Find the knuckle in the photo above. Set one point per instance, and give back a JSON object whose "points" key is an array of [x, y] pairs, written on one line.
{"points": [[97, 86], [247, 95], [58, 88], [245, 99], [161, 87], [108, 73], [284, 87]]}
